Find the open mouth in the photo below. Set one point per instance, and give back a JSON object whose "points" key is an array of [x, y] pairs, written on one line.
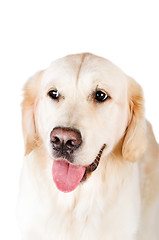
{"points": [[92, 167], [68, 176]]}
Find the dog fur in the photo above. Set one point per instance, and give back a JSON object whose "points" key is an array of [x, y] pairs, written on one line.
{"points": [[120, 199]]}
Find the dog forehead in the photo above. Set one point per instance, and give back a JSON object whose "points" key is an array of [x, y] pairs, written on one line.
{"points": [[63, 70], [101, 73], [84, 69]]}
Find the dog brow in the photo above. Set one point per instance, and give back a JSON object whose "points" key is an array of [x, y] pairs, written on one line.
{"points": [[80, 66]]}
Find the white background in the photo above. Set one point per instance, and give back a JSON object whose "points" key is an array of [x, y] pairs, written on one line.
{"points": [[35, 32]]}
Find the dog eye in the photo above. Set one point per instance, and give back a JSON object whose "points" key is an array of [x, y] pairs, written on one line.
{"points": [[54, 94], [101, 96]]}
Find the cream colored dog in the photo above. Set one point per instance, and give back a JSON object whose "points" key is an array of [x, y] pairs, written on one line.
{"points": [[91, 167]]}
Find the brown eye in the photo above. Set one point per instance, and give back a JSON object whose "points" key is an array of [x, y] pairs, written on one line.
{"points": [[101, 96], [54, 94]]}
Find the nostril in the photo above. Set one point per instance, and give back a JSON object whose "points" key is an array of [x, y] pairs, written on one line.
{"points": [[56, 143], [70, 143], [55, 139]]}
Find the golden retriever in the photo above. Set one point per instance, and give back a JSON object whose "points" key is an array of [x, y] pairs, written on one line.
{"points": [[91, 167]]}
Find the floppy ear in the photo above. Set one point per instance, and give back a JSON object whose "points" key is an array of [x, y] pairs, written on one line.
{"points": [[31, 92], [134, 141]]}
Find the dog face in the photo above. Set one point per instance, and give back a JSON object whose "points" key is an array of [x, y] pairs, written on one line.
{"points": [[80, 108]]}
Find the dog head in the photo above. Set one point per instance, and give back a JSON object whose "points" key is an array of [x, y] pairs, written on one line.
{"points": [[80, 109]]}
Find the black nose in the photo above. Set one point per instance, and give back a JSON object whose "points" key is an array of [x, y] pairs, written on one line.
{"points": [[65, 140]]}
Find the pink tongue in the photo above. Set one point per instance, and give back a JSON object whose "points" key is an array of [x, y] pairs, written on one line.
{"points": [[67, 176]]}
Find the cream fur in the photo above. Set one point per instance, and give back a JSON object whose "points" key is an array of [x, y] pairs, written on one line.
{"points": [[119, 200]]}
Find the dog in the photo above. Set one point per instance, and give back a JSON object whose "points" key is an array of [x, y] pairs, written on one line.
{"points": [[91, 166]]}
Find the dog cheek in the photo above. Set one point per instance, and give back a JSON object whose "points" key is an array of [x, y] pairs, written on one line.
{"points": [[44, 124]]}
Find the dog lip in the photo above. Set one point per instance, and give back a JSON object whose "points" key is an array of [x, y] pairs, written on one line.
{"points": [[92, 167]]}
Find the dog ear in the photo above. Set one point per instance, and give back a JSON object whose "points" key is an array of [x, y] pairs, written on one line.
{"points": [[134, 140], [31, 93]]}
